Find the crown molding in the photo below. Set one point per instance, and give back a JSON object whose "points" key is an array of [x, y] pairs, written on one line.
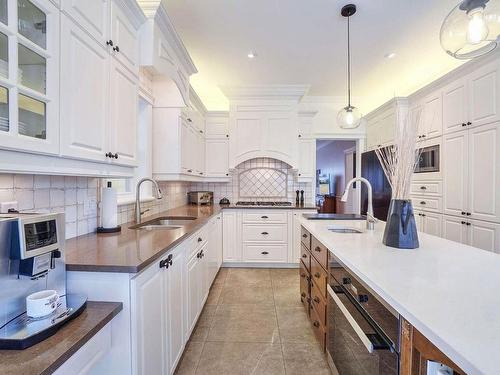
{"points": [[196, 101], [133, 11], [394, 102], [267, 92]]}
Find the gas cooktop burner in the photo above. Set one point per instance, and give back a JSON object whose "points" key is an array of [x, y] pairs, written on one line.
{"points": [[253, 203]]}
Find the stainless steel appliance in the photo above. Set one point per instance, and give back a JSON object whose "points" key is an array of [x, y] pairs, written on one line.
{"points": [[263, 203], [429, 160], [32, 260], [200, 197], [363, 333]]}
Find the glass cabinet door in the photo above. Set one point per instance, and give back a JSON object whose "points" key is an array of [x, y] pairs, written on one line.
{"points": [[32, 22], [3, 11], [4, 55]]}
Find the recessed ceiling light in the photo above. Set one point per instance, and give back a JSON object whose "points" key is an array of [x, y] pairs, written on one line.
{"points": [[390, 55], [252, 55]]}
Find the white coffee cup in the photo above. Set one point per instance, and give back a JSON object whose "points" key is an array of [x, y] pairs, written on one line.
{"points": [[42, 303]]}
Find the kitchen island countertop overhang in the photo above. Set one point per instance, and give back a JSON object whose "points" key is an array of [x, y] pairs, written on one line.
{"points": [[446, 290]]}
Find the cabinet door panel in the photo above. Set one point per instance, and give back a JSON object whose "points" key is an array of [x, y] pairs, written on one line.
{"points": [[247, 134], [184, 146], [455, 174], [84, 94], [484, 172], [200, 153], [432, 124], [454, 230], [484, 95], [306, 158], [454, 106], [485, 236], [231, 245], [279, 138], [217, 127], [123, 119], [193, 293], [92, 16], [432, 224], [217, 162], [125, 37]]}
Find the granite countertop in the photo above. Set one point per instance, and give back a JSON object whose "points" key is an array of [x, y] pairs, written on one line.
{"points": [[132, 250], [446, 290], [45, 357]]}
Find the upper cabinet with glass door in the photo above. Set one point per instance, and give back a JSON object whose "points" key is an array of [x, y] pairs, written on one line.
{"points": [[29, 76]]}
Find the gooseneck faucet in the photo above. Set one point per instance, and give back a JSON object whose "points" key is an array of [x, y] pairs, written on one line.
{"points": [[370, 219], [158, 194]]}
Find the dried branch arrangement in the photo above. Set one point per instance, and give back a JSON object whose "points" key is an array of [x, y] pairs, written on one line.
{"points": [[399, 160]]}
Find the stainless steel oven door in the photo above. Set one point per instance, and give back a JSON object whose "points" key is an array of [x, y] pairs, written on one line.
{"points": [[355, 344], [428, 160]]}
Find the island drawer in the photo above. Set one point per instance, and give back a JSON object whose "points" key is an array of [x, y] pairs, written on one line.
{"points": [[265, 217], [305, 256], [265, 233], [304, 287], [265, 253], [318, 328], [319, 276], [305, 237], [319, 252], [319, 304]]}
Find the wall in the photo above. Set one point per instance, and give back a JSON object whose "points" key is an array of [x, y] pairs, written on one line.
{"points": [[232, 190], [77, 198], [330, 159]]}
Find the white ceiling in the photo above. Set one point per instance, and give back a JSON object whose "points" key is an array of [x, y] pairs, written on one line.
{"points": [[304, 42]]}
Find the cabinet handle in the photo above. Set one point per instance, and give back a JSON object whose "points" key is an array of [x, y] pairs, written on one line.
{"points": [[317, 275], [115, 155], [424, 215], [363, 298], [264, 253], [423, 188], [189, 120], [304, 235], [463, 222], [468, 224], [300, 135], [304, 256], [468, 213], [316, 299], [109, 43], [163, 263], [317, 249], [300, 174], [419, 137], [190, 170], [116, 49], [302, 275], [200, 239], [469, 123], [201, 173], [316, 324], [201, 131], [464, 124], [108, 154], [227, 174], [303, 295], [264, 217], [264, 233], [227, 135], [423, 135], [423, 202], [463, 212]]}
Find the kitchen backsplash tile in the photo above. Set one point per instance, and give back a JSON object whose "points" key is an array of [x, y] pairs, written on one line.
{"points": [[77, 197]]}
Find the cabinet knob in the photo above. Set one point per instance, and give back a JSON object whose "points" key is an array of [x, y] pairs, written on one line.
{"points": [[316, 324], [264, 233], [109, 43], [115, 155], [463, 222], [317, 275], [317, 249], [300, 135], [264, 217], [189, 120], [300, 174], [423, 135], [423, 202], [304, 235], [108, 154], [304, 256], [116, 49], [227, 135], [463, 212], [468, 224], [190, 170], [469, 123], [303, 275], [468, 213], [464, 124], [200, 239], [303, 295], [201, 131], [264, 253], [201, 173], [346, 280], [227, 174], [316, 299], [163, 263], [423, 187], [363, 298]]}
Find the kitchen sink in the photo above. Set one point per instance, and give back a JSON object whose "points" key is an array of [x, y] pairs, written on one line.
{"points": [[167, 222], [342, 229]]}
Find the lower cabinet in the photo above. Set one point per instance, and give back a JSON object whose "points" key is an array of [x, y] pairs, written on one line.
{"points": [[197, 271], [481, 234], [429, 222]]}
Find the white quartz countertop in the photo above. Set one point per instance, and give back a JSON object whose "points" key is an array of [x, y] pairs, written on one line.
{"points": [[448, 291]]}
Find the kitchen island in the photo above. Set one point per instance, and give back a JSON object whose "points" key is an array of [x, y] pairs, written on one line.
{"points": [[446, 290]]}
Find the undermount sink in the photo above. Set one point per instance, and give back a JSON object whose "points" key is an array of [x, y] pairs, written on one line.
{"points": [[342, 229], [167, 223]]}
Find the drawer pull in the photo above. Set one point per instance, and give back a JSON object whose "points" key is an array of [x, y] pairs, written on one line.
{"points": [[423, 188], [318, 249], [363, 298], [302, 275], [423, 202], [316, 299], [346, 280], [264, 233], [303, 295], [316, 324], [264, 253], [468, 213], [304, 235], [200, 239], [264, 217], [304, 256], [317, 275], [463, 212]]}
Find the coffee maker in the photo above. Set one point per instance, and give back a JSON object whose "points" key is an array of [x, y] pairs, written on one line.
{"points": [[32, 260]]}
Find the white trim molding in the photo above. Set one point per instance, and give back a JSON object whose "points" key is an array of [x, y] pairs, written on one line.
{"points": [[266, 92]]}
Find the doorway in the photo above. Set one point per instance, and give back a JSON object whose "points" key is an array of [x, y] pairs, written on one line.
{"points": [[336, 164]]}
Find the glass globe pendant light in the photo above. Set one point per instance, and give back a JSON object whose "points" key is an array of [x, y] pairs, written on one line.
{"points": [[471, 29], [348, 117]]}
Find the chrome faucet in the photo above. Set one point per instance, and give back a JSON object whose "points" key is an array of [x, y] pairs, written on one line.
{"points": [[138, 211], [370, 219]]}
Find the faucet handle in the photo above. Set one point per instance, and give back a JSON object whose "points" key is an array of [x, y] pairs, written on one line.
{"points": [[146, 210]]}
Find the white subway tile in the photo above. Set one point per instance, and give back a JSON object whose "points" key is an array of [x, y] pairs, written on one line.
{"points": [[56, 197], [71, 230], [57, 182], [81, 182], [70, 182], [6, 195], [24, 198], [23, 181], [70, 214], [6, 181], [42, 198], [70, 197], [82, 227], [41, 182]]}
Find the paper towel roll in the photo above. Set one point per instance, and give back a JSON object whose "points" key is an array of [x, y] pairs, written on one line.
{"points": [[109, 207]]}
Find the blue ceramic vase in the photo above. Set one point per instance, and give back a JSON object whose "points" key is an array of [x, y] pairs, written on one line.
{"points": [[400, 229]]}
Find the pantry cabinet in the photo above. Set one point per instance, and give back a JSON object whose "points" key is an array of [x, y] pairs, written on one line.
{"points": [[429, 117], [125, 38]]}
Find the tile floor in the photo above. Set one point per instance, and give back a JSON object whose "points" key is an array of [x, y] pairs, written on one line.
{"points": [[253, 323]]}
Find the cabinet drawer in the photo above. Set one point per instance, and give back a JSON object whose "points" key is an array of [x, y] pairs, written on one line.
{"points": [[305, 237], [426, 188], [427, 203], [304, 286], [319, 277], [265, 217], [264, 233], [265, 253], [305, 256], [319, 252], [197, 241], [319, 304], [318, 328]]}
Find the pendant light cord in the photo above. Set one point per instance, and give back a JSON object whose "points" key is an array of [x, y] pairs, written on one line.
{"points": [[348, 63]]}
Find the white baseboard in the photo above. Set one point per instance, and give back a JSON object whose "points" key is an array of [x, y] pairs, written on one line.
{"points": [[259, 265]]}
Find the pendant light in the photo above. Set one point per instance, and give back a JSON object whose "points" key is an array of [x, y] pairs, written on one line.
{"points": [[349, 116], [471, 29]]}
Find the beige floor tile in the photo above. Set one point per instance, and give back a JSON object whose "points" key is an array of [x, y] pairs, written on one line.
{"points": [[199, 334], [287, 296], [221, 276], [190, 358], [294, 325], [207, 316], [248, 276], [214, 295], [244, 323], [285, 277], [304, 358], [241, 359], [246, 294]]}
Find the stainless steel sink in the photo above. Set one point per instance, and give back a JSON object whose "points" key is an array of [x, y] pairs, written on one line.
{"points": [[342, 229], [167, 222]]}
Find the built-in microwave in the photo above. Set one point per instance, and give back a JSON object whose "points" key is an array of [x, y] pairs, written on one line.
{"points": [[428, 160]]}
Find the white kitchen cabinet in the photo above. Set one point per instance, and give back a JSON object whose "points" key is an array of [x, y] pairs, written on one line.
{"points": [[92, 16], [471, 173], [373, 129], [295, 250], [454, 229], [199, 153], [472, 100], [278, 139], [125, 37], [431, 117], [217, 125], [246, 132], [429, 222], [231, 236], [306, 159], [217, 157], [476, 233], [382, 123], [214, 248], [197, 281]]}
